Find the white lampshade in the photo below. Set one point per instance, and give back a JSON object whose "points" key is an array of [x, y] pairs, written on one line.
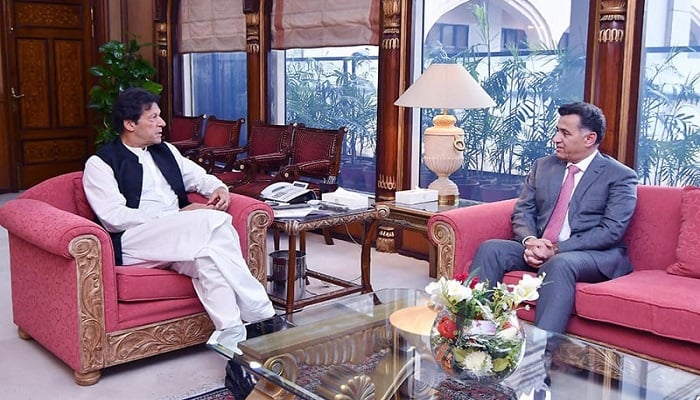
{"points": [[445, 86]]}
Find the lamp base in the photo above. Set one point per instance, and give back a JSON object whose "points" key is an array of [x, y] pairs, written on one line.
{"points": [[448, 192]]}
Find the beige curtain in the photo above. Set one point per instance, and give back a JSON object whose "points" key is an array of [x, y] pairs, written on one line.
{"points": [[325, 23], [211, 26]]}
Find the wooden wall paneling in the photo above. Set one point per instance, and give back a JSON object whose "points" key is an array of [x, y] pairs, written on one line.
{"points": [[163, 59], [392, 123], [46, 60], [257, 18], [6, 177]]}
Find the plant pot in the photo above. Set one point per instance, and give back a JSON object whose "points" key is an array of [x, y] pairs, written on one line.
{"points": [[497, 192], [477, 350]]}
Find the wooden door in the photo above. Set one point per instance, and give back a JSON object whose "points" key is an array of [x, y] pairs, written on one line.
{"points": [[49, 52]]}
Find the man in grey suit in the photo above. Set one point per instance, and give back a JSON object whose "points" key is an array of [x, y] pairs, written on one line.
{"points": [[585, 245]]}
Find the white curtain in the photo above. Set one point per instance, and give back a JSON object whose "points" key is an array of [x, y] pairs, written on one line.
{"points": [[211, 26], [325, 23]]}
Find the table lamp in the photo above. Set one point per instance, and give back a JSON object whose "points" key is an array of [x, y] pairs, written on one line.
{"points": [[445, 86]]}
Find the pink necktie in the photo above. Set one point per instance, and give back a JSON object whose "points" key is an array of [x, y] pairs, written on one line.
{"points": [[556, 221]]}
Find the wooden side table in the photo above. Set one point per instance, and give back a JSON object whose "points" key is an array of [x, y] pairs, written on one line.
{"points": [[296, 227], [413, 217]]}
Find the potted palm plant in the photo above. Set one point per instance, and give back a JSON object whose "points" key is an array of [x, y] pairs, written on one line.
{"points": [[122, 67]]}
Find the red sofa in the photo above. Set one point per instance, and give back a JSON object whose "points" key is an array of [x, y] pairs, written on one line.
{"points": [[648, 312], [68, 295]]}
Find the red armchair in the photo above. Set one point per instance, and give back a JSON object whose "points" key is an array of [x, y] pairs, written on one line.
{"points": [[185, 133], [68, 295], [221, 139]]}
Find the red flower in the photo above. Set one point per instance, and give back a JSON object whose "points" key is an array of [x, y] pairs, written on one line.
{"points": [[460, 277], [473, 283], [447, 328]]}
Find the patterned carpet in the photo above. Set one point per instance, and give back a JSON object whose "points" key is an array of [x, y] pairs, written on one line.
{"points": [[216, 394]]}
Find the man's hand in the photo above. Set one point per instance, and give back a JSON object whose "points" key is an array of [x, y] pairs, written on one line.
{"points": [[220, 199], [537, 251]]}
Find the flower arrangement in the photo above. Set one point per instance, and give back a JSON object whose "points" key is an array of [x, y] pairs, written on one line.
{"points": [[476, 334]]}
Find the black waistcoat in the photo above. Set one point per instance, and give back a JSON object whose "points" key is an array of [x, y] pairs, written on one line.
{"points": [[129, 175]]}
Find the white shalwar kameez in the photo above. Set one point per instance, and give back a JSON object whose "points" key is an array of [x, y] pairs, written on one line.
{"points": [[201, 244]]}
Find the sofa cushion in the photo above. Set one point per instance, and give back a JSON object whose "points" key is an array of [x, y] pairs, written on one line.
{"points": [[650, 300], [688, 250], [81, 202], [138, 283]]}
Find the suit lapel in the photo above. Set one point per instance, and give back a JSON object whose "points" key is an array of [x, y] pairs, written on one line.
{"points": [[589, 178]]}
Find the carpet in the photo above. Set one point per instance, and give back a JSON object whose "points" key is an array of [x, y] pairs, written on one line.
{"points": [[216, 394]]}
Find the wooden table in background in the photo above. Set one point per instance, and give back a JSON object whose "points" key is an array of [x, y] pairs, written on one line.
{"points": [[413, 217]]}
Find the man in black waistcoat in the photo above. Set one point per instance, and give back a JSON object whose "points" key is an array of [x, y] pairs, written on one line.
{"points": [[137, 186]]}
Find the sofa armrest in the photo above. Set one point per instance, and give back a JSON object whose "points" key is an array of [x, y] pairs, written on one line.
{"points": [[251, 218], [48, 227], [458, 233]]}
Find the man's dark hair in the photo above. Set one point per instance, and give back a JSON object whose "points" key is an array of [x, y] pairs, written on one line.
{"points": [[592, 117], [129, 106]]}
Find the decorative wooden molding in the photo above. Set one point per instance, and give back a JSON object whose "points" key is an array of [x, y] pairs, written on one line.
{"points": [[392, 24], [442, 234], [257, 245], [142, 342], [91, 308], [386, 239], [386, 182], [252, 31], [611, 35], [294, 227], [161, 39]]}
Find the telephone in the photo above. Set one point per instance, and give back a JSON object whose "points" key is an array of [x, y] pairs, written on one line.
{"points": [[286, 192]]}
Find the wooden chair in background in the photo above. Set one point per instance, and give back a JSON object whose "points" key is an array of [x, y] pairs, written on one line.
{"points": [[185, 133], [221, 140]]}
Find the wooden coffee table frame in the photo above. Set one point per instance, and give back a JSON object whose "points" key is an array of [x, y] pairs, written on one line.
{"points": [[296, 227]]}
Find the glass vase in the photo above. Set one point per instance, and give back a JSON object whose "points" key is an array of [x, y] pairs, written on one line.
{"points": [[474, 349]]}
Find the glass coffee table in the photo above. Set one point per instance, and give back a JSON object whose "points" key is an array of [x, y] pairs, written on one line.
{"points": [[348, 349]]}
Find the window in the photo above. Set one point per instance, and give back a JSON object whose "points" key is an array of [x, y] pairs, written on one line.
{"points": [[527, 85], [216, 84], [513, 38], [329, 88], [449, 37], [668, 147]]}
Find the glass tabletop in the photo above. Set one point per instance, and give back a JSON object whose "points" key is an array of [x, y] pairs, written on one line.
{"points": [[350, 346]]}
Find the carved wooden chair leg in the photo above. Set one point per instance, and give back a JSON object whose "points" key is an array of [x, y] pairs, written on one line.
{"points": [[276, 238], [23, 335], [87, 378], [328, 236]]}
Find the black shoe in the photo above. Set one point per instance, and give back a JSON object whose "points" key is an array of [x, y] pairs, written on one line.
{"points": [[238, 381]]}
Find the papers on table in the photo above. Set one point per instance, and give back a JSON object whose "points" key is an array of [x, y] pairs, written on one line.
{"points": [[293, 210]]}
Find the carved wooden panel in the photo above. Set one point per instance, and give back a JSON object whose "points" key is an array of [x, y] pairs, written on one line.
{"points": [[70, 85], [43, 151], [53, 15], [33, 83]]}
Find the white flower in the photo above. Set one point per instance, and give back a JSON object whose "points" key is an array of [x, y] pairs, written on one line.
{"points": [[510, 333], [478, 362], [481, 327], [526, 289], [448, 292]]}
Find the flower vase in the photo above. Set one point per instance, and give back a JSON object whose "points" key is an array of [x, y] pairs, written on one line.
{"points": [[477, 349]]}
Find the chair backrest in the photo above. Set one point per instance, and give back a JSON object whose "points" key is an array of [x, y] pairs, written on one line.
{"points": [[222, 133], [268, 138], [313, 144], [64, 192], [186, 128]]}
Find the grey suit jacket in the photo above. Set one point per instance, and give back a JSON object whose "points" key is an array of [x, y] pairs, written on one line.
{"points": [[599, 212]]}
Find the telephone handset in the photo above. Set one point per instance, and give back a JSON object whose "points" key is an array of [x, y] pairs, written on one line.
{"points": [[286, 192]]}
